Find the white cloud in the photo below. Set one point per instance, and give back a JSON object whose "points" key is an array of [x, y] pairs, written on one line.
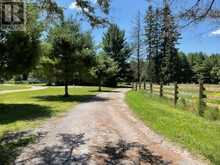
{"points": [[74, 6], [215, 33]]}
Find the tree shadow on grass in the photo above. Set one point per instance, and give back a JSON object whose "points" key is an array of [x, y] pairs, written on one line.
{"points": [[10, 113], [72, 98]]}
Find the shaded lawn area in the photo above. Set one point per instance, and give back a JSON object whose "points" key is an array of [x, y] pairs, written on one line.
{"points": [[24, 110], [193, 132], [6, 87]]}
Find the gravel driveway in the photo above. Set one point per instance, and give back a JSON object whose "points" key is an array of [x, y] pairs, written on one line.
{"points": [[102, 131], [33, 88]]}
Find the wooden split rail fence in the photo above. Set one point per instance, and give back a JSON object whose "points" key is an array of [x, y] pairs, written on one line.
{"points": [[203, 95]]}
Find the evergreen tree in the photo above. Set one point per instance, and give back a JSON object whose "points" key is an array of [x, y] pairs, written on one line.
{"points": [[214, 72], [116, 47], [204, 67], [105, 66], [157, 39], [72, 50], [185, 73], [169, 52], [152, 40], [196, 61], [137, 47], [149, 40]]}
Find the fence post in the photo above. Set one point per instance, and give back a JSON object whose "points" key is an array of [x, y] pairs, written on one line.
{"points": [[161, 89], [151, 88], [202, 97], [140, 84], [136, 86], [144, 84], [176, 92]]}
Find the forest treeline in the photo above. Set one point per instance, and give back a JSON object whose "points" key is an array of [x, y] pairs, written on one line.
{"points": [[192, 67], [54, 49], [162, 61], [199, 66]]}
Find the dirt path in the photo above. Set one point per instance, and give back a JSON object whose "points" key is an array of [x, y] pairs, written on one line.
{"points": [[102, 132], [33, 88]]}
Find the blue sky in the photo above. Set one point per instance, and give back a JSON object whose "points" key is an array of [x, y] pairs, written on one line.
{"points": [[202, 37]]}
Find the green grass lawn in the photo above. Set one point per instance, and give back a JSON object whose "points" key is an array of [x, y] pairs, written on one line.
{"points": [[215, 101], [193, 132], [6, 87], [217, 94], [24, 110]]}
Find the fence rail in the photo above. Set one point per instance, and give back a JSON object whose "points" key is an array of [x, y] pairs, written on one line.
{"points": [[202, 94]]}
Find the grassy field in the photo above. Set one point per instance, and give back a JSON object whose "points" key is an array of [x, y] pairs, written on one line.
{"points": [[6, 87], [193, 132], [20, 112], [24, 110], [188, 93]]}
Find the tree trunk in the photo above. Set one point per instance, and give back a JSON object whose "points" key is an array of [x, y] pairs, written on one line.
{"points": [[100, 88], [66, 89], [144, 84], [151, 87], [161, 89], [66, 78], [136, 86], [25, 76], [100, 85], [140, 83]]}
